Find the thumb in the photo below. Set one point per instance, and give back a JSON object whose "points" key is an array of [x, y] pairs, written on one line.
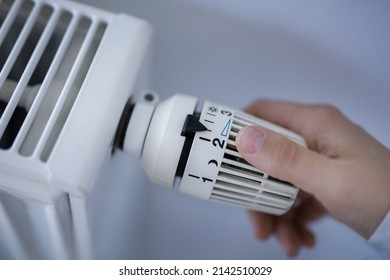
{"points": [[281, 158]]}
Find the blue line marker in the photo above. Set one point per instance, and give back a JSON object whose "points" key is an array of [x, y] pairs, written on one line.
{"points": [[225, 130]]}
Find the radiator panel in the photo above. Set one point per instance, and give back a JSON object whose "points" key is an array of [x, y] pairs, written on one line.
{"points": [[64, 82]]}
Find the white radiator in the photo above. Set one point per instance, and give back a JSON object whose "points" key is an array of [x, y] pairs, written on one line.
{"points": [[67, 71]]}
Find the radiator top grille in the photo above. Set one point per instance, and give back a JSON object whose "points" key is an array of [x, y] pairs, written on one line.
{"points": [[45, 54]]}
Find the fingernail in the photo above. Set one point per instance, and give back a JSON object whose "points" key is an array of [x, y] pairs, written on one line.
{"points": [[250, 139]]}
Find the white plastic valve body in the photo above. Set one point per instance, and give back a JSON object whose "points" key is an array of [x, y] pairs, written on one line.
{"points": [[160, 130], [137, 129], [174, 140]]}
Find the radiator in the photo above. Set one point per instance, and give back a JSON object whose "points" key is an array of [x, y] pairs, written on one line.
{"points": [[67, 71]]}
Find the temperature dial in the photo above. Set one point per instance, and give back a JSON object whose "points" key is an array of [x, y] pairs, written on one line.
{"points": [[200, 148]]}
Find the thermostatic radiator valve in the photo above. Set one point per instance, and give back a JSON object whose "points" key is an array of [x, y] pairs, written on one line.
{"points": [[174, 139]]}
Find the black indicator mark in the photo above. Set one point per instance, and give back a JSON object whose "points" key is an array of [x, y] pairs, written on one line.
{"points": [[218, 143], [203, 178], [208, 121], [211, 114], [206, 179], [205, 139], [192, 125], [212, 109], [225, 112]]}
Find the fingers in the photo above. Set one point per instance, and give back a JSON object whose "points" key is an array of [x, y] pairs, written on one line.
{"points": [[282, 158], [288, 237], [294, 116], [263, 224], [293, 236], [290, 232], [310, 121], [308, 239]]}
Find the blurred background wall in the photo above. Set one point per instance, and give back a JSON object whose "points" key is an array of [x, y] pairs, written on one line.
{"points": [[233, 52]]}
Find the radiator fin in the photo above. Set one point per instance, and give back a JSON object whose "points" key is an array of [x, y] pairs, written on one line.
{"points": [[45, 54]]}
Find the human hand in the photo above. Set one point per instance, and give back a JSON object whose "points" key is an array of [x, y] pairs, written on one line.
{"points": [[345, 171]]}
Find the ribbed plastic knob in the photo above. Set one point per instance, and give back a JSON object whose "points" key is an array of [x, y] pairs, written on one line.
{"points": [[175, 141]]}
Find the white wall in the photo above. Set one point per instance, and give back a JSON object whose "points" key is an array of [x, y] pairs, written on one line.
{"points": [[234, 52]]}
